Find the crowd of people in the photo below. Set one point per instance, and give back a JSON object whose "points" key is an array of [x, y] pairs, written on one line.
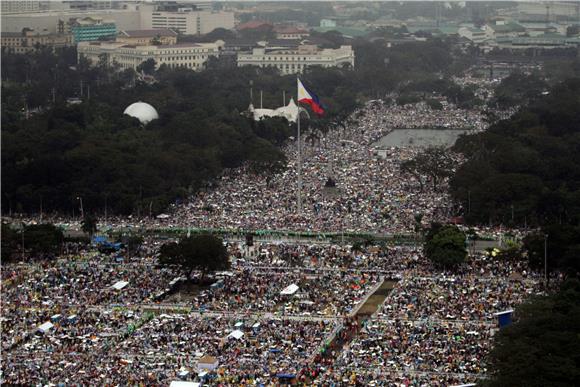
{"points": [[385, 259], [86, 318], [300, 292], [455, 297], [368, 192], [50, 288]]}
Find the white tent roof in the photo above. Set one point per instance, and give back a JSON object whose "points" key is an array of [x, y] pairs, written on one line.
{"points": [[504, 312], [120, 285], [237, 334], [179, 383], [291, 289], [290, 112], [45, 327]]}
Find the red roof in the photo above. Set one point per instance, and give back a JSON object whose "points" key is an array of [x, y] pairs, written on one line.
{"points": [[289, 30], [253, 25]]}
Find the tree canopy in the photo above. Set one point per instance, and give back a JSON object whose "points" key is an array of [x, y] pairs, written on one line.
{"points": [[54, 151], [528, 165], [205, 252], [542, 347], [445, 246]]}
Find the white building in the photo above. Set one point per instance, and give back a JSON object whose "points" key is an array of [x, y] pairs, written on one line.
{"points": [[187, 55], [475, 35], [296, 60], [19, 6], [186, 20]]}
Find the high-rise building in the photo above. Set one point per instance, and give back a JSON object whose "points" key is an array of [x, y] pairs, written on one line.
{"points": [[90, 29], [84, 5], [187, 21], [19, 6]]}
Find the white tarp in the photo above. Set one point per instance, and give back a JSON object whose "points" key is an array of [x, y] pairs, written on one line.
{"points": [[120, 285], [162, 216], [45, 327], [207, 363], [237, 334], [289, 290], [179, 383]]}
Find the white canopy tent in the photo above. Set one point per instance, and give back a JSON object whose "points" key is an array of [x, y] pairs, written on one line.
{"points": [[237, 334], [45, 327], [207, 363], [289, 290], [179, 383], [120, 285]]}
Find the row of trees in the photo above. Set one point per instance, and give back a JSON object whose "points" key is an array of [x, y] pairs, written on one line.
{"points": [[43, 240], [525, 170], [92, 151], [542, 347]]}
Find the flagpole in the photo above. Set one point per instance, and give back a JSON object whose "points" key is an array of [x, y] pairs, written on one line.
{"points": [[299, 160]]}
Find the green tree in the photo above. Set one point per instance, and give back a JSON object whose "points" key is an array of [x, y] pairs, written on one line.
{"points": [[541, 348], [445, 246], [42, 239], [89, 225], [147, 67], [10, 242], [205, 252], [434, 162], [133, 242]]}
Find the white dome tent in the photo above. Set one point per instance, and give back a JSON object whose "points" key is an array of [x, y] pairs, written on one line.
{"points": [[144, 112]]}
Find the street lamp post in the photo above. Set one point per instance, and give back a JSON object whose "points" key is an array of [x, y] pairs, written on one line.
{"points": [[82, 210], [22, 233], [299, 163], [545, 259]]}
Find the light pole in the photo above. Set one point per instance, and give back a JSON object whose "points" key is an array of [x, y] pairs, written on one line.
{"points": [[299, 166], [512, 207], [22, 233], [106, 208], [82, 210], [546, 260]]}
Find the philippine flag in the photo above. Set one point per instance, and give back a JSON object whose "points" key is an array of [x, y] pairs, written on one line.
{"points": [[306, 96]]}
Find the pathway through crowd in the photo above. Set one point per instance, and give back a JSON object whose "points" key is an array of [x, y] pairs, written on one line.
{"points": [[353, 324]]}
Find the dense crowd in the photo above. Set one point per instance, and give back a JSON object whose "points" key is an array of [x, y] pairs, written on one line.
{"points": [[386, 259], [327, 293], [52, 287], [369, 193], [419, 346], [85, 318], [168, 345], [455, 297]]}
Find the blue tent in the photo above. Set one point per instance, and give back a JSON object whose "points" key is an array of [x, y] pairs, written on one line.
{"points": [[99, 239], [504, 318]]}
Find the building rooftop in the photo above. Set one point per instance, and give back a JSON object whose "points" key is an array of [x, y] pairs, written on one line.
{"points": [[148, 33], [289, 30], [254, 24], [343, 30]]}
